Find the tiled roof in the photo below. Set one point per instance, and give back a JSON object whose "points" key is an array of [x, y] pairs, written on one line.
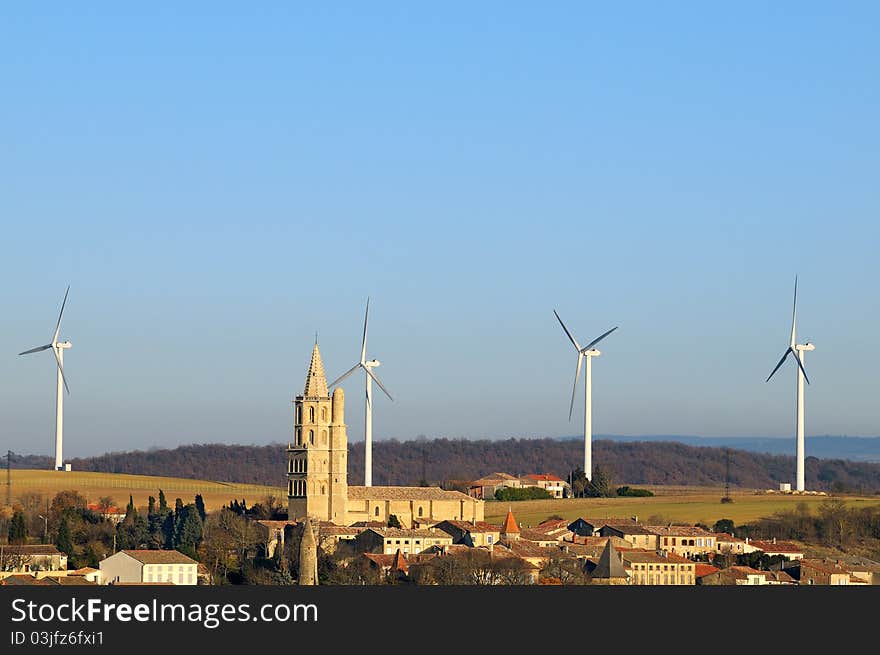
{"points": [[159, 556], [24, 579], [411, 532], [727, 538], [678, 531], [469, 526], [705, 569], [607, 520], [536, 535], [633, 528], [652, 557], [543, 477], [509, 526], [609, 565], [399, 562], [31, 549], [405, 493], [778, 547]]}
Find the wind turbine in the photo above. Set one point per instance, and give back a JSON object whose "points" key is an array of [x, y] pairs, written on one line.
{"points": [[368, 367], [587, 352], [797, 350], [58, 347]]}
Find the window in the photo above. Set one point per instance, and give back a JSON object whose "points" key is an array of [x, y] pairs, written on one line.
{"points": [[420, 511], [311, 414], [377, 511], [665, 541], [312, 437], [322, 490], [489, 539], [299, 414], [324, 414], [323, 437], [700, 543], [290, 487]]}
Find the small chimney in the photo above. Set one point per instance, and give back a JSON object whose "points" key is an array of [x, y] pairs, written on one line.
{"points": [[774, 540]]}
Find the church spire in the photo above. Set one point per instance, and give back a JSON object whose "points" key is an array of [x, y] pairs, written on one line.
{"points": [[316, 380]]}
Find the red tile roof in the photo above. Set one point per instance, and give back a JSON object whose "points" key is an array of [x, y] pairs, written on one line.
{"points": [[509, 526], [543, 477], [705, 569]]}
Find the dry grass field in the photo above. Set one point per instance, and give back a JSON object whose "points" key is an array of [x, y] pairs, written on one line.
{"points": [[118, 486], [672, 504]]}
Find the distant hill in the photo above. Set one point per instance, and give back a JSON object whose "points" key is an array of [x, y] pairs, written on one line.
{"points": [[440, 461], [857, 449]]}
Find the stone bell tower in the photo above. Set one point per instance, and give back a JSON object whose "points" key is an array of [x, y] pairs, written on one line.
{"points": [[317, 460]]}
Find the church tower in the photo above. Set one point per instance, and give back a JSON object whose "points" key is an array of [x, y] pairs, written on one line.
{"points": [[317, 484]]}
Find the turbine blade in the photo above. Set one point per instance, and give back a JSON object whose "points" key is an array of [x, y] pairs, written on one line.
{"points": [[61, 368], [58, 324], [577, 347], [364, 342], [597, 340], [801, 365], [794, 315], [784, 355], [36, 350], [376, 380], [577, 376], [344, 375]]}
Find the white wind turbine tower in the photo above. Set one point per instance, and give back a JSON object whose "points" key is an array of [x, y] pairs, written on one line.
{"points": [[58, 347], [797, 350], [368, 407], [587, 352]]}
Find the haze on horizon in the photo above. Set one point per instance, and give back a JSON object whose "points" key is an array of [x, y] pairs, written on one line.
{"points": [[219, 182]]}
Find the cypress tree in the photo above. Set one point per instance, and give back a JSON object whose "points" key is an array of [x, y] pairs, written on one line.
{"points": [[63, 541]]}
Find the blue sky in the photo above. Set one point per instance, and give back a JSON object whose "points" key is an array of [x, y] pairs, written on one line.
{"points": [[216, 182]]}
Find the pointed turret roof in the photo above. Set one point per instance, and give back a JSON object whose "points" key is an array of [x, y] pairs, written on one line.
{"points": [[308, 556], [509, 526], [399, 562], [610, 565], [316, 380]]}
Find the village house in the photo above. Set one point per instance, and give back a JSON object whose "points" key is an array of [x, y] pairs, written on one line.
{"points": [[728, 544], [684, 540], [589, 527], [409, 541], [774, 547], [646, 567], [744, 575], [818, 572], [486, 486], [471, 533], [550, 483], [114, 514], [26, 558], [148, 567], [638, 536]]}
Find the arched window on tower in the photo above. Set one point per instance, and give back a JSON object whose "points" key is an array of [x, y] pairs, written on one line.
{"points": [[299, 414], [323, 414], [322, 490], [312, 437], [311, 414], [323, 437], [420, 511], [290, 466], [377, 510]]}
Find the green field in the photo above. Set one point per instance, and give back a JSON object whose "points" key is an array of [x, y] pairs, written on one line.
{"points": [[118, 486], [671, 504]]}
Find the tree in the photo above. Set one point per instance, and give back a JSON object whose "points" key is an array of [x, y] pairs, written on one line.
{"points": [[578, 482], [600, 485], [393, 521], [200, 506], [151, 507], [724, 525], [63, 540], [163, 504], [104, 504], [17, 532]]}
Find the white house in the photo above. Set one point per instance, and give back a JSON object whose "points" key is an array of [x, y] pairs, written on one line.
{"points": [[148, 566]]}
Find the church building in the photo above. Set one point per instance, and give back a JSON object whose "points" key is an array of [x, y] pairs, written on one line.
{"points": [[317, 470]]}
